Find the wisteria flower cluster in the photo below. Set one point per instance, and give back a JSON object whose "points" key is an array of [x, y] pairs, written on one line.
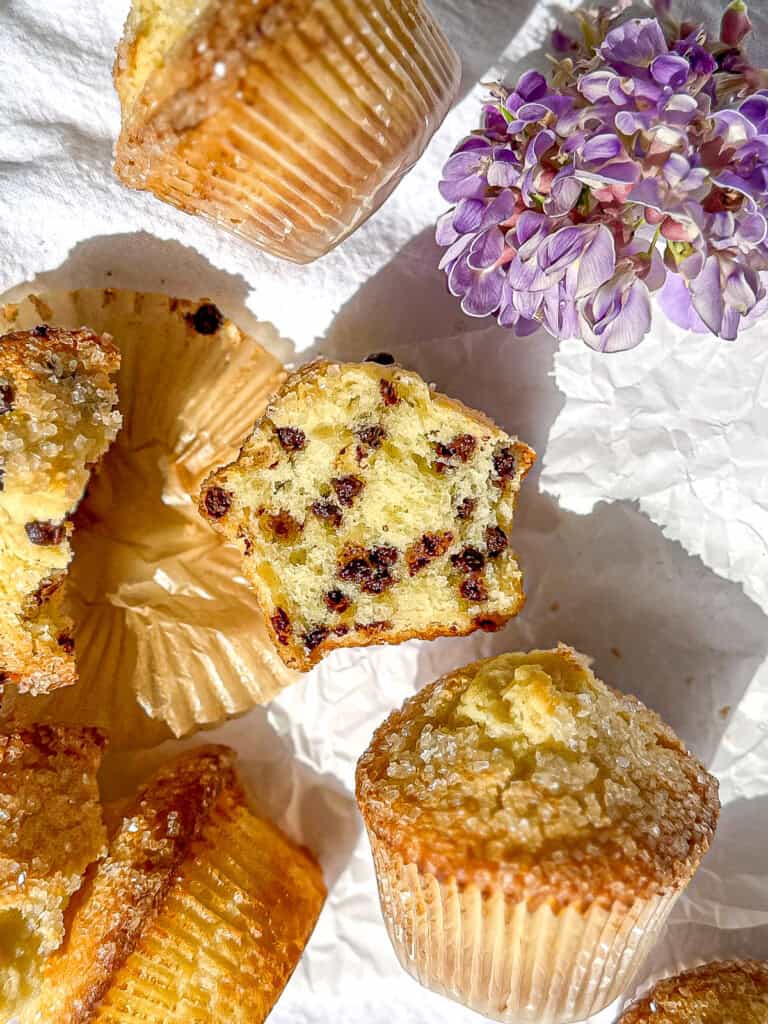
{"points": [[640, 166]]}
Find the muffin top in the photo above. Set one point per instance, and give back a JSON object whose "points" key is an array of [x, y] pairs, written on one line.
{"points": [[716, 993], [525, 771]]}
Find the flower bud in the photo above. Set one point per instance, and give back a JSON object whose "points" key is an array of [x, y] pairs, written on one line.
{"points": [[735, 25]]}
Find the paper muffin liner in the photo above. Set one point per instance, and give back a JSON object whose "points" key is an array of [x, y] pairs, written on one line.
{"points": [[505, 960], [168, 635], [336, 103]]}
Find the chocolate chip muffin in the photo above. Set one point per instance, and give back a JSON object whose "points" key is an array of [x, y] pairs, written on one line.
{"points": [[50, 831], [198, 913], [531, 829], [287, 122], [57, 418], [733, 992], [371, 509]]}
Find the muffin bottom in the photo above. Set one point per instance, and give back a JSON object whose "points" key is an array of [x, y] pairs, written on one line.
{"points": [[507, 961]]}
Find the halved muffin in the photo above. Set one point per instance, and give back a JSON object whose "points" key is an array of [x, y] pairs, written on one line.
{"points": [[371, 509], [50, 831], [723, 992], [531, 829], [199, 912], [58, 416], [288, 122]]}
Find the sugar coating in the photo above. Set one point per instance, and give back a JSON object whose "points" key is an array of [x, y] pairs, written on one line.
{"points": [[58, 416], [50, 830], [734, 992], [528, 761], [371, 509]]}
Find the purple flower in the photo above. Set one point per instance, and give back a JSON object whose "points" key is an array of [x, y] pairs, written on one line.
{"points": [[629, 172]]}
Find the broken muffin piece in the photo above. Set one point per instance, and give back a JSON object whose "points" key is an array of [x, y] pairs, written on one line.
{"points": [[57, 418], [199, 912], [371, 509], [50, 831]]}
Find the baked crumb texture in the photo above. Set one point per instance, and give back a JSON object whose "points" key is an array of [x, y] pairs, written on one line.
{"points": [[370, 509], [733, 992], [50, 830], [286, 121], [199, 912], [58, 416], [531, 829]]}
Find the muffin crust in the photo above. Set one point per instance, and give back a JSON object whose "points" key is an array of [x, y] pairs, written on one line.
{"points": [[722, 992], [527, 773]]}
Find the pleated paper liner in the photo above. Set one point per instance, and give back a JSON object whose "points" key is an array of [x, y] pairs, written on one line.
{"points": [[507, 961], [168, 636], [328, 106]]}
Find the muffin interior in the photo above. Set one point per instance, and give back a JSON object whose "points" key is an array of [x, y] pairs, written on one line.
{"points": [[530, 755], [367, 506], [57, 417]]}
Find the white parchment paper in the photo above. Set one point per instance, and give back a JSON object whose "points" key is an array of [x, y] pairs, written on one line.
{"points": [[672, 434]]}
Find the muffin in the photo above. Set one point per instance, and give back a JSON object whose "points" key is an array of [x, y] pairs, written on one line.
{"points": [[531, 829], [735, 992], [287, 122], [50, 831], [370, 509], [168, 635], [57, 418], [198, 913]]}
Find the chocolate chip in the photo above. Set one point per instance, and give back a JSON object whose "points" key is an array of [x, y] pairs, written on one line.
{"points": [[504, 463], [368, 569], [291, 438], [284, 526], [384, 557], [45, 534], [2, 479], [382, 358], [315, 637], [473, 589], [336, 601], [7, 396], [373, 627], [282, 625], [372, 436], [469, 560], [217, 502], [423, 551], [388, 393], [247, 543], [461, 447], [340, 630], [489, 624], [495, 540], [347, 488], [41, 331], [466, 508], [65, 642], [207, 319], [329, 511]]}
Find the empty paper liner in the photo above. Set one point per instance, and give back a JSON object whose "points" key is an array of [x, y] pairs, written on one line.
{"points": [[168, 636]]}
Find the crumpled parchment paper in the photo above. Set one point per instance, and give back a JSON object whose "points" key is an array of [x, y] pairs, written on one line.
{"points": [[677, 426]]}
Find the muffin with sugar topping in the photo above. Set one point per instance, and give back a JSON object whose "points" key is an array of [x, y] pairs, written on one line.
{"points": [[50, 831], [531, 829], [197, 914], [371, 509], [724, 992], [58, 416]]}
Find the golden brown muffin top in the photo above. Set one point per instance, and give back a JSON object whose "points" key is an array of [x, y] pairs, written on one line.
{"points": [[50, 810], [526, 771], [734, 992]]}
